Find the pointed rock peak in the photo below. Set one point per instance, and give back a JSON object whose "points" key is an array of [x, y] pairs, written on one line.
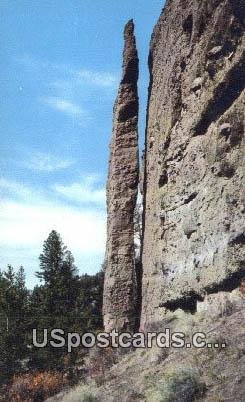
{"points": [[130, 56], [129, 28]]}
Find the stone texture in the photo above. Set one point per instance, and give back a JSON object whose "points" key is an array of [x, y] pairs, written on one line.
{"points": [[194, 165], [120, 279], [222, 304]]}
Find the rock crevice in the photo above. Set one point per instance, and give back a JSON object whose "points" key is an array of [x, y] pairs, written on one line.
{"points": [[193, 174]]}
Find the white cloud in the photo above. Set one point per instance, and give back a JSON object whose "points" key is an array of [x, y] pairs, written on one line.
{"points": [[64, 105], [46, 163], [7, 186], [78, 76], [84, 192], [34, 63], [28, 216], [65, 88], [28, 225], [101, 79]]}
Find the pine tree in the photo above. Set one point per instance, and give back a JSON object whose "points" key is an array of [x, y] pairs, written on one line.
{"points": [[13, 321], [52, 258], [57, 295], [63, 300], [57, 271], [89, 301]]}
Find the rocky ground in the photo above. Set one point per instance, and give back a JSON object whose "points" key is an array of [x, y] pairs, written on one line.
{"points": [[155, 375]]}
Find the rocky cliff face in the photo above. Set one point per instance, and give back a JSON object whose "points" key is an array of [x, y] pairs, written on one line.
{"points": [[193, 223], [194, 165], [120, 279]]}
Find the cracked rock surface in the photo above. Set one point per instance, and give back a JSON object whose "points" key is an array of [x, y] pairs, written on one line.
{"points": [[194, 164]]}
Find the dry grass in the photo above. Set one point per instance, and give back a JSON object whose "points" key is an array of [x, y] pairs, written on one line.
{"points": [[36, 387], [83, 393], [100, 361]]}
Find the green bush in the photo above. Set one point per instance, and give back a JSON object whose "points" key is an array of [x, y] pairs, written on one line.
{"points": [[178, 386]]}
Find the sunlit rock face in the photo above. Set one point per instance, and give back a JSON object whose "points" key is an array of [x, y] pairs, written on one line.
{"points": [[194, 161], [120, 281]]}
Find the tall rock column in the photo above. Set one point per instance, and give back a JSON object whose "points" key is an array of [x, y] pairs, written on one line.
{"points": [[120, 282]]}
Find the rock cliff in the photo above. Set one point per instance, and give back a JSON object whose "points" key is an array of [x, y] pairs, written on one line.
{"points": [[120, 278], [194, 162], [192, 184]]}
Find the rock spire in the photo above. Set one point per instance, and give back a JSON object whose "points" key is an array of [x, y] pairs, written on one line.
{"points": [[122, 187]]}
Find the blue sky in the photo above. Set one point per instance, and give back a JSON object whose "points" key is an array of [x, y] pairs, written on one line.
{"points": [[60, 64]]}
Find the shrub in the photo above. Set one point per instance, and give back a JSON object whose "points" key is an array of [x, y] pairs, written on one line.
{"points": [[36, 387], [178, 386], [84, 393]]}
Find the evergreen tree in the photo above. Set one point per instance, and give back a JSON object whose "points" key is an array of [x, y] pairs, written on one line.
{"points": [[13, 321], [90, 301], [63, 300], [58, 273], [57, 295], [52, 258]]}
